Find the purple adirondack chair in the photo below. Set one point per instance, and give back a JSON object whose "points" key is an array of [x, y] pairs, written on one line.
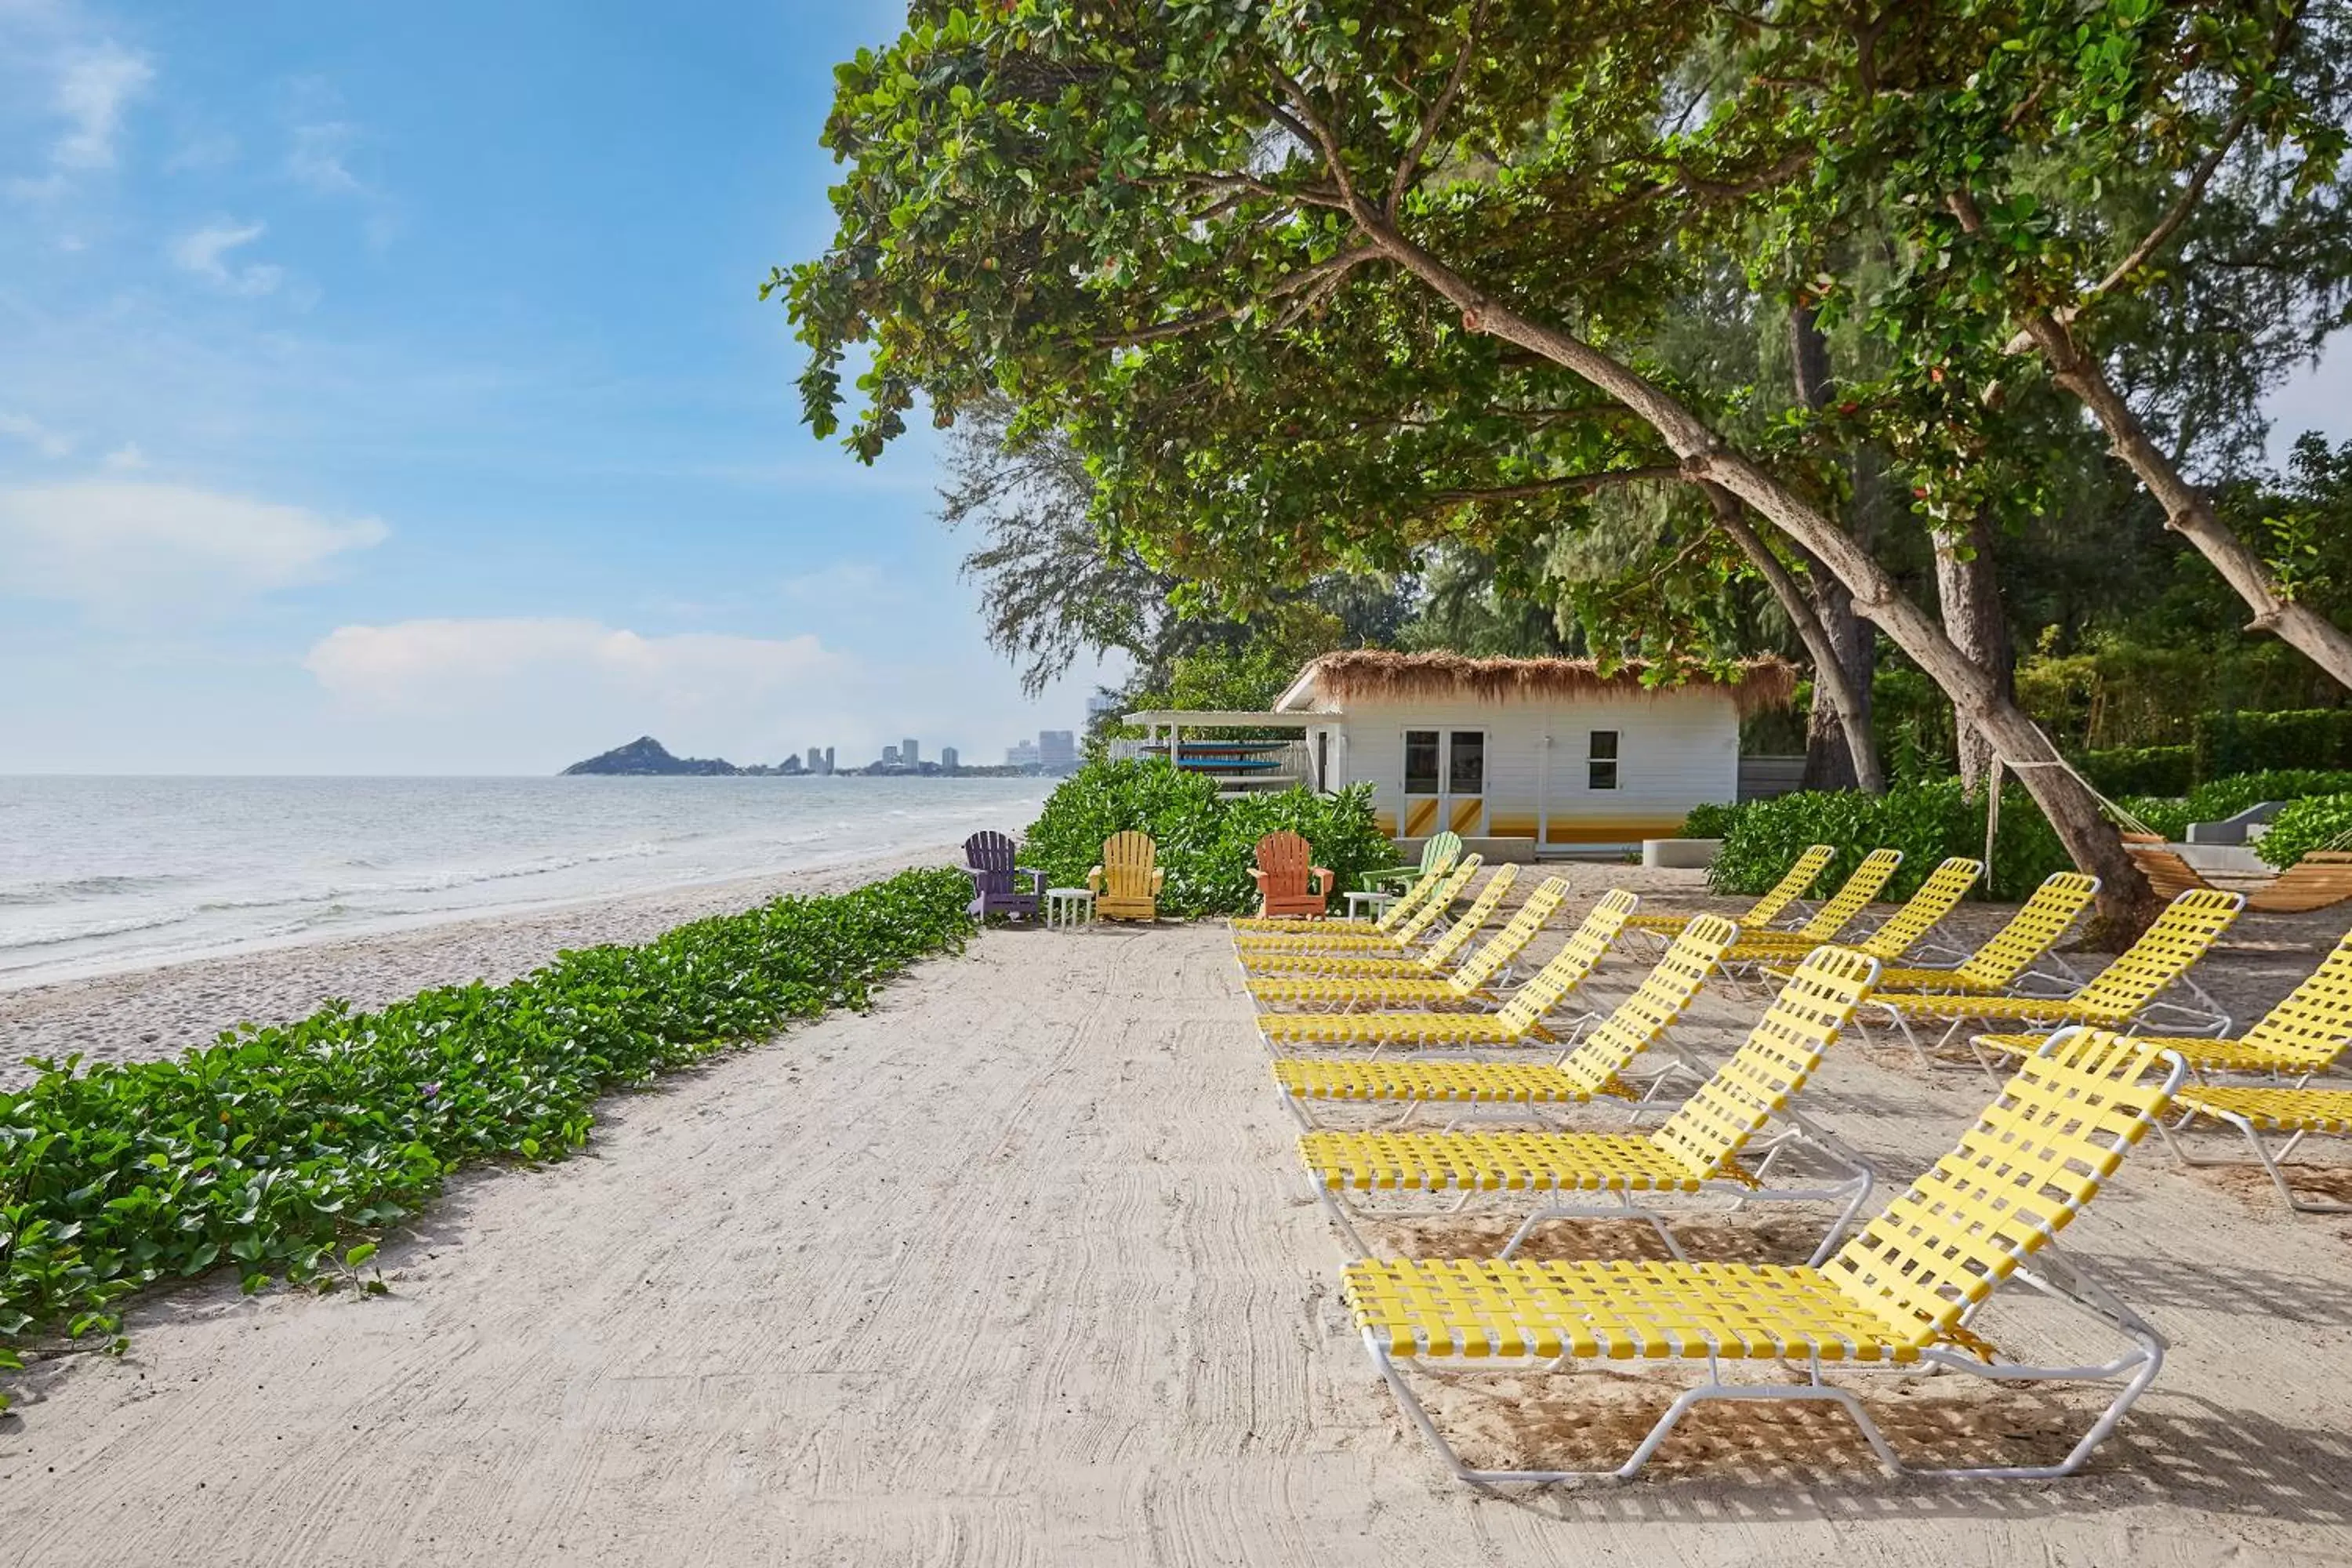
{"points": [[996, 880]]}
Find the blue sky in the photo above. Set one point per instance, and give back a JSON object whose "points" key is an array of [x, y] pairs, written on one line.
{"points": [[384, 389]]}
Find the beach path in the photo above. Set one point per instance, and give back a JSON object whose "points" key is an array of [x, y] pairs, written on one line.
{"points": [[1019, 1269]]}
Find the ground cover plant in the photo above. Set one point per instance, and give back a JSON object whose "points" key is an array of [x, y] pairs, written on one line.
{"points": [[282, 1151], [2321, 822], [1206, 846], [1929, 821]]}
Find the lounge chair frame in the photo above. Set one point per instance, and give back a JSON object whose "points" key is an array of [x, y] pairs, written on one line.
{"points": [[2283, 1115]]}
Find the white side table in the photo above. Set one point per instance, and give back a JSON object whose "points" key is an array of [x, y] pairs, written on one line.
{"points": [[1369, 906], [1069, 907]]}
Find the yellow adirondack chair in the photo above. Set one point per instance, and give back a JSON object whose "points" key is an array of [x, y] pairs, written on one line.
{"points": [[1126, 886]]}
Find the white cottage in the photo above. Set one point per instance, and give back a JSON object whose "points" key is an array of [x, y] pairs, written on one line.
{"points": [[1539, 755]]}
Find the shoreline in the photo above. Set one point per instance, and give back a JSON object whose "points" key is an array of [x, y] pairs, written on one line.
{"points": [[157, 1010]]}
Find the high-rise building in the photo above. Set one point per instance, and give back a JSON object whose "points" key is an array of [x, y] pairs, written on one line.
{"points": [[828, 758], [948, 759], [889, 756], [909, 755], [1021, 754], [1057, 751], [816, 761]]}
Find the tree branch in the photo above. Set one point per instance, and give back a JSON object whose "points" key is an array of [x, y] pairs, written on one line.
{"points": [[1319, 134], [1575, 483], [1438, 110]]}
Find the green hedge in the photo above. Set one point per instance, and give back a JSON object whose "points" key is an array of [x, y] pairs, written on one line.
{"points": [[2142, 770], [1929, 821], [1205, 845], [273, 1150], [2226, 797], [2252, 742], [2316, 823], [1710, 821]]}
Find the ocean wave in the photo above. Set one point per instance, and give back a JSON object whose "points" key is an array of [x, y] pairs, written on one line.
{"points": [[29, 895]]}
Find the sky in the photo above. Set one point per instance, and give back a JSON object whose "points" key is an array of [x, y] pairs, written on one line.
{"points": [[386, 389]]}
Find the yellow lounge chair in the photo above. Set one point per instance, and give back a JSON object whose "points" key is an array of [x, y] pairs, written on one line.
{"points": [[1904, 1291], [1251, 946], [2304, 1035], [1402, 980], [1901, 932], [1581, 1073], [1787, 893], [2254, 1110], [1697, 1151], [1843, 907], [1438, 858], [1519, 1020], [2124, 990], [1127, 884], [1325, 957], [2008, 959]]}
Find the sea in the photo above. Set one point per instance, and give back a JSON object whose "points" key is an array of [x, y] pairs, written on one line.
{"points": [[98, 875]]}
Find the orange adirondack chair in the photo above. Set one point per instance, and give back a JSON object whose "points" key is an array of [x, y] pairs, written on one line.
{"points": [[1127, 884], [1288, 882]]}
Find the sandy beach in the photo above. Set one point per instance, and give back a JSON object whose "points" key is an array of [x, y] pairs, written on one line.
{"points": [[1019, 1268]]}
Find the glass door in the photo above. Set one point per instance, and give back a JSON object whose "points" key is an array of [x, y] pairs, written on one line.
{"points": [[1444, 781]]}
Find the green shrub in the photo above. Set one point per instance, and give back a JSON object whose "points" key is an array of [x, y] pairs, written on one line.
{"points": [[2316, 823], [2247, 743], [2164, 814], [1929, 821], [1712, 820], [2141, 770], [274, 1149], [1205, 845], [2226, 797]]}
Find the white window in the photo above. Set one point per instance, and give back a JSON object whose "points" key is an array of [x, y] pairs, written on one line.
{"points": [[1600, 760]]}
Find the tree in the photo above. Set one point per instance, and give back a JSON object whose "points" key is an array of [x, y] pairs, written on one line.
{"points": [[1044, 198]]}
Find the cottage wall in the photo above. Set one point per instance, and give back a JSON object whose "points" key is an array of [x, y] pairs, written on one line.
{"points": [[1676, 750]]}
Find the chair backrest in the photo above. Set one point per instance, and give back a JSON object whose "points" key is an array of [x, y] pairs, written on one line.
{"points": [[1634, 1024], [992, 854], [1938, 895], [1456, 937], [1802, 873], [1781, 1053], [1439, 852], [1284, 858], [1512, 940], [1876, 868], [2313, 1025], [2182, 935], [1408, 903], [1127, 859], [2033, 930], [2057, 1130], [1585, 948], [1446, 889]]}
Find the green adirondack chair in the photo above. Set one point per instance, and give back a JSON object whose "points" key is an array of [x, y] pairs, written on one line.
{"points": [[1437, 857]]}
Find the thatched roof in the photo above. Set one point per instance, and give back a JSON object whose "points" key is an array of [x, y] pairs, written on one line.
{"points": [[1358, 673]]}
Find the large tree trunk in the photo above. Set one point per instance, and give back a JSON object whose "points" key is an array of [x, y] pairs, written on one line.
{"points": [[1829, 676], [1968, 588], [2187, 511], [1839, 732], [2125, 903]]}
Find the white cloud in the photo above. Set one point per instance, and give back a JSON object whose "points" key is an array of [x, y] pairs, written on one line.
{"points": [[89, 88], [48, 443], [554, 688], [202, 252], [115, 546], [126, 458], [317, 158], [94, 85]]}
